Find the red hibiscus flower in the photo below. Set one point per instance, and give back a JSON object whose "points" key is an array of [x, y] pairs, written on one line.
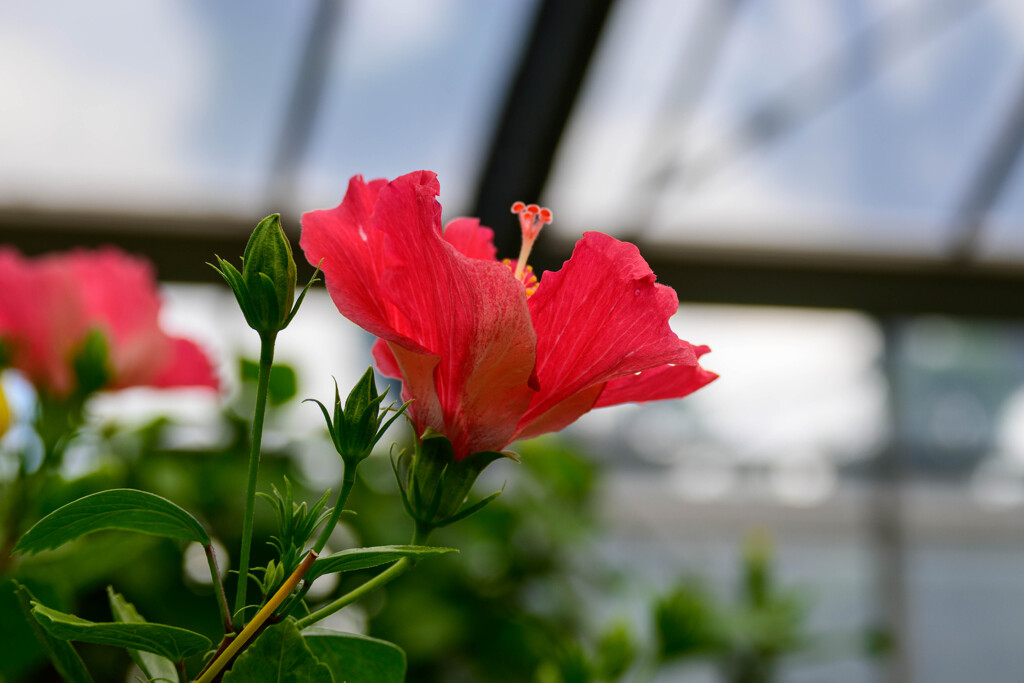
{"points": [[489, 354], [50, 305]]}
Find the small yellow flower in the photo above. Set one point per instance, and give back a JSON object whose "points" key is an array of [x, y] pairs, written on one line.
{"points": [[5, 413]]}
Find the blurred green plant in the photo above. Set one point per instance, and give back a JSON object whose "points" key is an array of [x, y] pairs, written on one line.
{"points": [[149, 570]]}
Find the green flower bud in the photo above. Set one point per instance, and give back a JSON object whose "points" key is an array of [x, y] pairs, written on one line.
{"points": [[265, 288], [268, 271], [356, 428]]}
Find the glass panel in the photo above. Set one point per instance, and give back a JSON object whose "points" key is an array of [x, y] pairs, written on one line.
{"points": [[852, 126], [418, 86], [143, 106], [179, 106]]}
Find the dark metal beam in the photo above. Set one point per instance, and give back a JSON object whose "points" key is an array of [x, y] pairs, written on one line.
{"points": [[300, 116], [873, 283], [537, 107], [180, 246], [985, 187]]}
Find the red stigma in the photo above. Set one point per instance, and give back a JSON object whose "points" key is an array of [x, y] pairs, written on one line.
{"points": [[531, 219]]}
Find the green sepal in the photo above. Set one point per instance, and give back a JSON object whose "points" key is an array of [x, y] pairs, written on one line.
{"points": [[234, 280], [302, 295], [270, 308], [467, 510], [435, 486]]}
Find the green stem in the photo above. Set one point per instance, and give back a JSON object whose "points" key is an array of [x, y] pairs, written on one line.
{"points": [[218, 587], [387, 576], [266, 361], [346, 488], [257, 622]]}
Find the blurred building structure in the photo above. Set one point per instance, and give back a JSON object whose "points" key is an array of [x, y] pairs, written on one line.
{"points": [[834, 190]]}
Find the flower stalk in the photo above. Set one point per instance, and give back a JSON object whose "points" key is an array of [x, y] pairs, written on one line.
{"points": [[263, 382], [339, 505], [396, 570]]}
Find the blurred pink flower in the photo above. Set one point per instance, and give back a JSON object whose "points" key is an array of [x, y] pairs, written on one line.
{"points": [[488, 354], [51, 304]]}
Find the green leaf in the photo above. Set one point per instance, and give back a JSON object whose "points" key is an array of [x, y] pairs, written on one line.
{"points": [[280, 655], [125, 509], [357, 659], [168, 641], [153, 665], [363, 558], [283, 384], [61, 653]]}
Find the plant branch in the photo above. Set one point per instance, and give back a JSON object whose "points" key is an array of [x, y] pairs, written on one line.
{"points": [[218, 588], [387, 576], [253, 626]]}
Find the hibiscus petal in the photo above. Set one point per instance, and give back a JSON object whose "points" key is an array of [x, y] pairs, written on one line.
{"points": [[58, 299], [471, 239], [600, 318], [117, 293], [562, 414], [40, 320], [385, 360], [668, 381], [187, 366], [470, 313], [350, 251], [417, 373]]}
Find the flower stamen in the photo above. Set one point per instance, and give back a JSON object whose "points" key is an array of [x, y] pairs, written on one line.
{"points": [[531, 219]]}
